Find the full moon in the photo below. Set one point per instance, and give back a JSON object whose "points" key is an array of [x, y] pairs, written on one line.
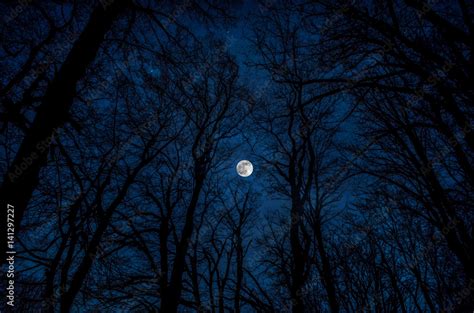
{"points": [[244, 168]]}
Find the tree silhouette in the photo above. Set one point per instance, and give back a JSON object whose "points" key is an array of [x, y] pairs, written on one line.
{"points": [[122, 122]]}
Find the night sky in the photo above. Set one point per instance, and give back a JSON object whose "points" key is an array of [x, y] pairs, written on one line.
{"points": [[122, 123]]}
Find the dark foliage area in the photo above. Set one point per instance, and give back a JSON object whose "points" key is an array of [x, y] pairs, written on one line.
{"points": [[122, 122]]}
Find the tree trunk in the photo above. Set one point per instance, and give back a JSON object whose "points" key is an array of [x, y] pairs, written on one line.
{"points": [[172, 294], [297, 272], [240, 272], [22, 176], [327, 273]]}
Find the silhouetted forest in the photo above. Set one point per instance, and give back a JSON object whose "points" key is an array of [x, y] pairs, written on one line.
{"points": [[122, 122]]}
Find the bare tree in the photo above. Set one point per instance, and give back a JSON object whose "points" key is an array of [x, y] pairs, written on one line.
{"points": [[301, 125], [121, 122]]}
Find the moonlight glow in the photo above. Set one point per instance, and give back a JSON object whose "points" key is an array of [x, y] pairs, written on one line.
{"points": [[244, 168]]}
